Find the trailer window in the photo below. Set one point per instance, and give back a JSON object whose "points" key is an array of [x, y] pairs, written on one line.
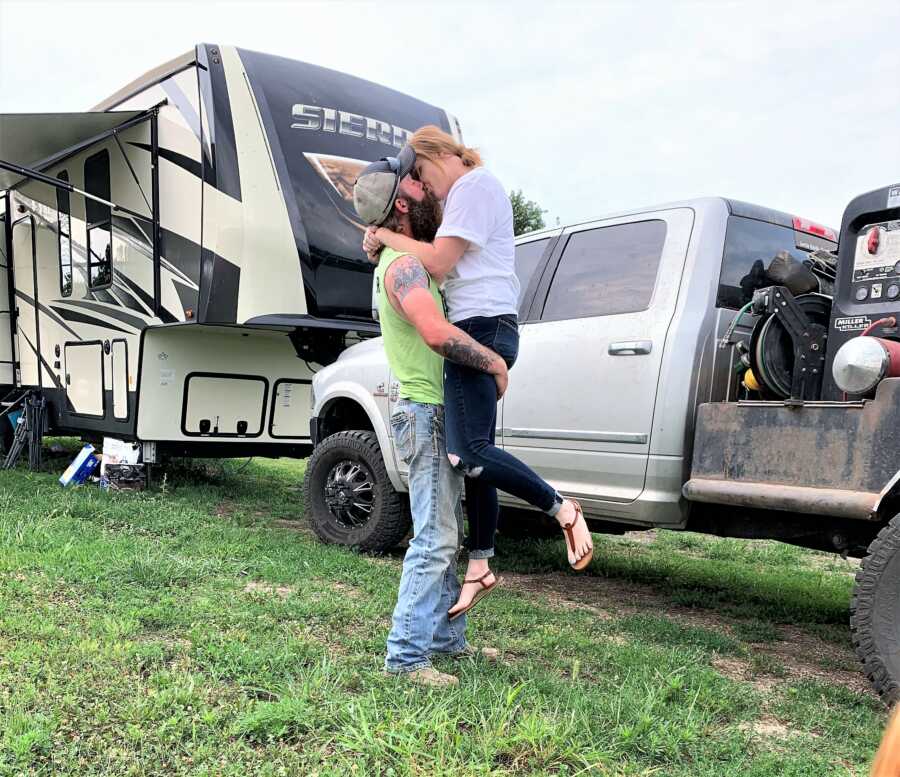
{"points": [[99, 221], [528, 256], [750, 246], [606, 271], [64, 229]]}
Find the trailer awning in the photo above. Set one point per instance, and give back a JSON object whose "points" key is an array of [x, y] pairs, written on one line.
{"points": [[35, 140]]}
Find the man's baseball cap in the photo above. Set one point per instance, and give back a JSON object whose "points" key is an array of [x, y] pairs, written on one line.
{"points": [[377, 185]]}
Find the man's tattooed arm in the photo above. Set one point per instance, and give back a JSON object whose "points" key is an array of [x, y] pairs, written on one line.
{"points": [[462, 349], [408, 274], [405, 276]]}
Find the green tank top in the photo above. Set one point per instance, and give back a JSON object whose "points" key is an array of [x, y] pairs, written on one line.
{"points": [[419, 369]]}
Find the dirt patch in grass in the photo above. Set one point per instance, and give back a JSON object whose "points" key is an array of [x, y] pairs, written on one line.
{"points": [[62, 598], [802, 655], [768, 727], [293, 524], [347, 590], [614, 598], [229, 510], [556, 589], [257, 587], [742, 671], [166, 641], [226, 509], [284, 591], [647, 537]]}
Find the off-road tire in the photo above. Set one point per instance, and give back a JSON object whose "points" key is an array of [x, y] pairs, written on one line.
{"points": [[875, 612], [389, 521]]}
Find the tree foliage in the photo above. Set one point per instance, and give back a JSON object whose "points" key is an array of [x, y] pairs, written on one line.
{"points": [[527, 214]]}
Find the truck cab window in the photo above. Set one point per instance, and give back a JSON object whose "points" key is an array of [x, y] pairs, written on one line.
{"points": [[99, 221], [64, 231], [528, 256], [750, 246], [606, 271]]}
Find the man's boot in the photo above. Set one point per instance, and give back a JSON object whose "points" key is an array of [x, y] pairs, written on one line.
{"points": [[430, 676]]}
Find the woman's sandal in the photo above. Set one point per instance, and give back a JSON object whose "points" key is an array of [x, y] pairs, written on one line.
{"points": [[569, 533], [485, 590]]}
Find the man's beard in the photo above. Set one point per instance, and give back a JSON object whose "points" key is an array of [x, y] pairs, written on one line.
{"points": [[424, 217]]}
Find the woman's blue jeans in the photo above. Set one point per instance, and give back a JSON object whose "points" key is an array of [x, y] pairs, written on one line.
{"points": [[470, 403]]}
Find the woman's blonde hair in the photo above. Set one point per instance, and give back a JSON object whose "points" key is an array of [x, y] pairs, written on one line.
{"points": [[430, 142]]}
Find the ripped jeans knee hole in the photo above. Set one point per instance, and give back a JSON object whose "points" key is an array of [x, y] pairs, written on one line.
{"points": [[458, 464]]}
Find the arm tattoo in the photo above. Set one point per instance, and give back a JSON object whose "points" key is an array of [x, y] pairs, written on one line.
{"points": [[408, 274], [463, 350]]}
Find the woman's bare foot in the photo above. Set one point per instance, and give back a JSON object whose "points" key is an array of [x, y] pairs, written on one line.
{"points": [[568, 516], [476, 570]]}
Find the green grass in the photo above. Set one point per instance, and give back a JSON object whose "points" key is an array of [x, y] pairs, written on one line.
{"points": [[178, 631]]}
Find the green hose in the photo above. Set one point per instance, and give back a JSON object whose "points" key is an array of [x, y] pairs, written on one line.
{"points": [[726, 340]]}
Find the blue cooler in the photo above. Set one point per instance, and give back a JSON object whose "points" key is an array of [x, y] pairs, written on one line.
{"points": [[81, 467]]}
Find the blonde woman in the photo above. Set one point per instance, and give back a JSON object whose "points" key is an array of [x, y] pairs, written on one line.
{"points": [[473, 255]]}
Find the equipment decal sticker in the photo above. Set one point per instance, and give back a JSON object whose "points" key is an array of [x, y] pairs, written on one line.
{"points": [[852, 324]]}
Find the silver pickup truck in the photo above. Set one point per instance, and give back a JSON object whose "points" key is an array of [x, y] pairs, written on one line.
{"points": [[619, 323], [705, 365]]}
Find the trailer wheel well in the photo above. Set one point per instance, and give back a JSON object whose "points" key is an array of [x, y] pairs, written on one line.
{"points": [[343, 415]]}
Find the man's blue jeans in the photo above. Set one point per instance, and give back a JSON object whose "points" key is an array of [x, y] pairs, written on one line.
{"points": [[429, 585]]}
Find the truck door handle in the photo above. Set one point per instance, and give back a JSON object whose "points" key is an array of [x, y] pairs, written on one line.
{"points": [[630, 348]]}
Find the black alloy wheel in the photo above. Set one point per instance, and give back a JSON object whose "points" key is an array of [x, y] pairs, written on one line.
{"points": [[350, 493], [349, 497]]}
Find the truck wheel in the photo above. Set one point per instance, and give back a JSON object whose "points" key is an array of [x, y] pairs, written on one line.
{"points": [[349, 497], [875, 612]]}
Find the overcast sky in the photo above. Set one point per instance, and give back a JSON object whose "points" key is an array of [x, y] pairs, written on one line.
{"points": [[588, 108]]}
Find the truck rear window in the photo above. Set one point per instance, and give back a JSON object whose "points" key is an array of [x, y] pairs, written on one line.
{"points": [[749, 247], [528, 255]]}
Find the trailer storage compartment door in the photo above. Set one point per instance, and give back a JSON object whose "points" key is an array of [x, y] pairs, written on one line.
{"points": [[120, 379], [290, 409], [221, 405], [84, 378]]}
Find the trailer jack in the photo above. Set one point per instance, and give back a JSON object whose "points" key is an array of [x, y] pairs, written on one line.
{"points": [[29, 432]]}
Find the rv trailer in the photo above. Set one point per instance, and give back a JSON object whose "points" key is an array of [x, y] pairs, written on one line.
{"points": [[177, 261]]}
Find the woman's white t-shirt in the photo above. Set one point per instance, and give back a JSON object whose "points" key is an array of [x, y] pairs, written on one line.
{"points": [[483, 282]]}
